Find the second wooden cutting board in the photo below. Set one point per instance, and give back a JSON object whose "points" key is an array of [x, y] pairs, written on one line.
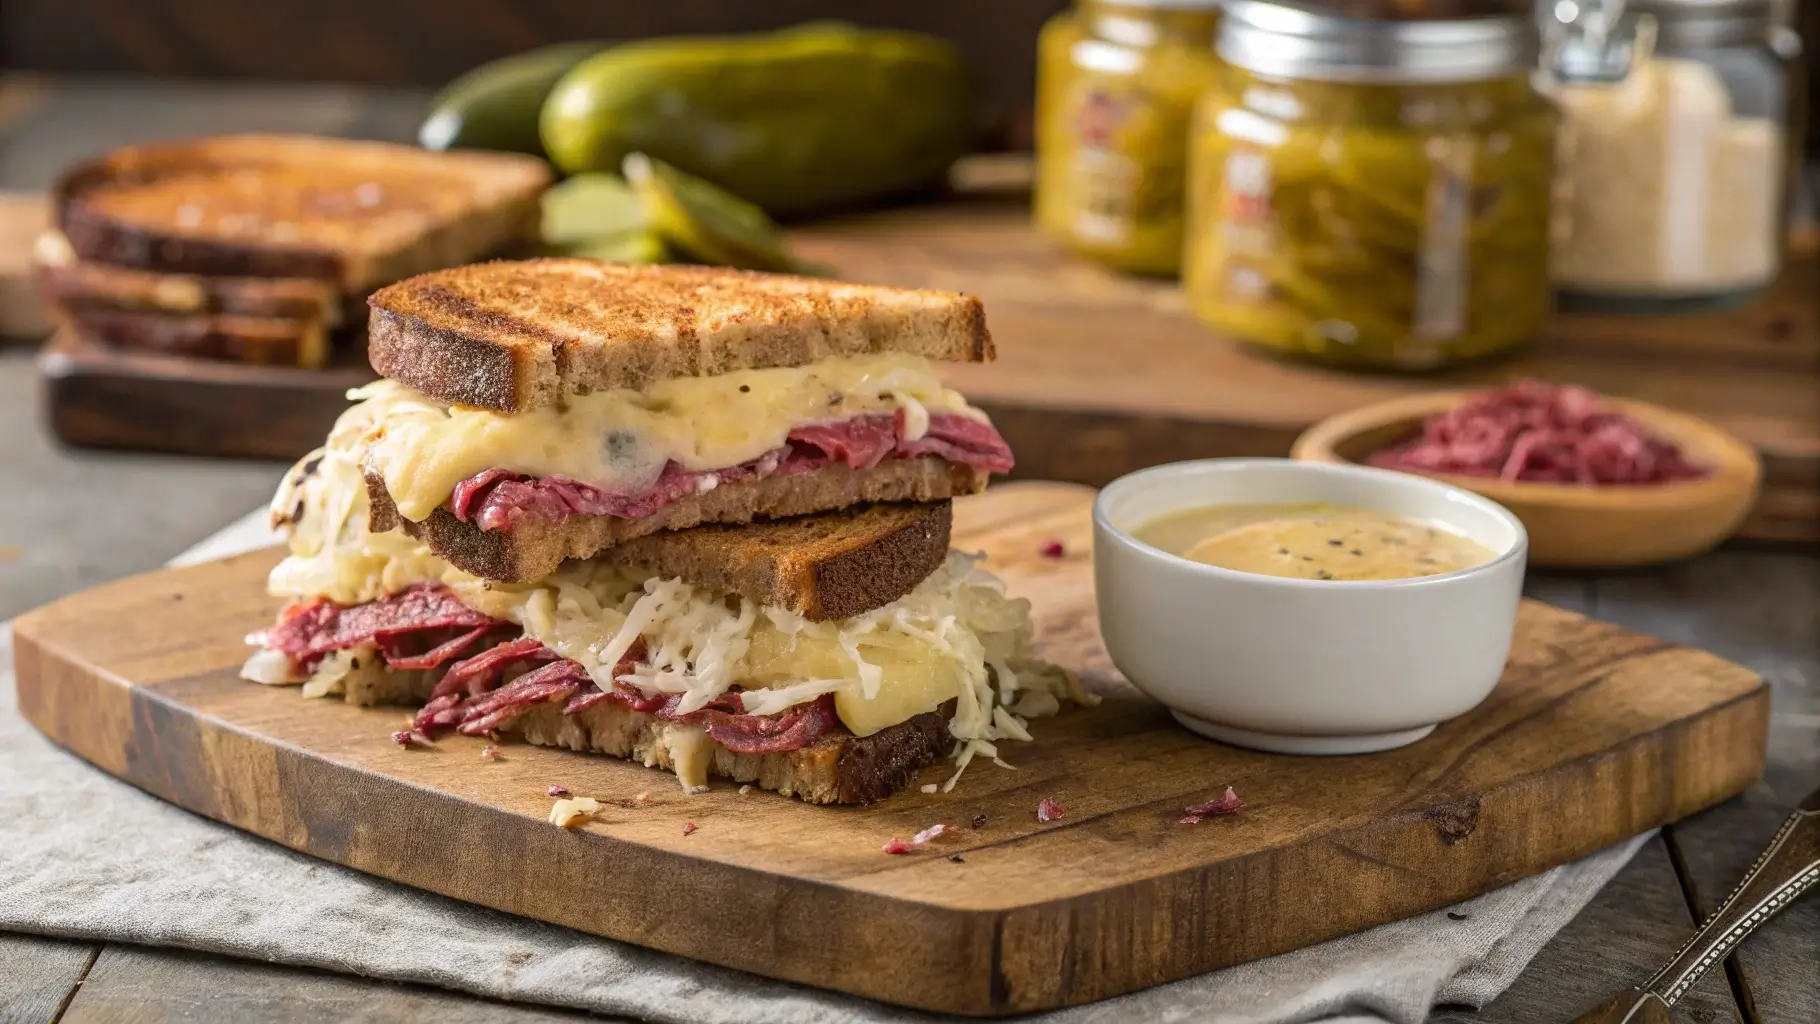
{"points": [[1593, 735]]}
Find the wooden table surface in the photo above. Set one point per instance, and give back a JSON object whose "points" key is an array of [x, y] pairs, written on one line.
{"points": [[74, 519]]}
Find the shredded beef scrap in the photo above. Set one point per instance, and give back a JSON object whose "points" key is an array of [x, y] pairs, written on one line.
{"points": [[1225, 803], [1536, 432], [920, 840]]}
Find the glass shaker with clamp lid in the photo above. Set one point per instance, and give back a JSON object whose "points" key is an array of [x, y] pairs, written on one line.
{"points": [[1673, 155]]}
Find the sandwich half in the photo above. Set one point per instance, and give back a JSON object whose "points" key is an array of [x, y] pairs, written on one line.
{"points": [[544, 410], [356, 214], [264, 248], [829, 657]]}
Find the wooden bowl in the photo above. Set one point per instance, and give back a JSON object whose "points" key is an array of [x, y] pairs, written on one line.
{"points": [[1573, 526]]}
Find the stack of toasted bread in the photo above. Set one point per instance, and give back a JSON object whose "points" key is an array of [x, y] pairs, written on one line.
{"points": [[263, 248], [694, 517]]}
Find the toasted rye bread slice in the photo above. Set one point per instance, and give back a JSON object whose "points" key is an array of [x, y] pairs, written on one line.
{"points": [[72, 283], [243, 339], [512, 336], [361, 214], [840, 768], [823, 567], [533, 548]]}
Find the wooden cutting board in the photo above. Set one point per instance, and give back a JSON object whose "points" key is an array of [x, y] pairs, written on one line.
{"points": [[1593, 735], [23, 216], [96, 396]]}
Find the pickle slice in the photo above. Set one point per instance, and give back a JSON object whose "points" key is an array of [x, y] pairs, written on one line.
{"points": [[709, 224], [630, 247], [590, 207]]}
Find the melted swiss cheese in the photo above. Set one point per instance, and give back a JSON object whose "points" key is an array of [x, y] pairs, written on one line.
{"points": [[621, 440]]}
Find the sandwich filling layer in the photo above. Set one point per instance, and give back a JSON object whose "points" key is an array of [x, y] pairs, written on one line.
{"points": [[735, 671], [628, 453]]}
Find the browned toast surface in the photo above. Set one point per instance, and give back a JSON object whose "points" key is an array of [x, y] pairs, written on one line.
{"points": [[71, 282], [243, 339], [518, 335], [361, 214], [533, 548], [823, 567]]}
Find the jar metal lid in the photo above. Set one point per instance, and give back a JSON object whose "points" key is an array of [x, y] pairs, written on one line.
{"points": [[1168, 5], [1292, 42], [1691, 24]]}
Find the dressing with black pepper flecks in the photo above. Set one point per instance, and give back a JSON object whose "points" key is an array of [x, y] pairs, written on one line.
{"points": [[1313, 542]]}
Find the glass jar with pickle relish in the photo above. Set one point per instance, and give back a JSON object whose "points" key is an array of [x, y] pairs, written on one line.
{"points": [[1371, 193], [1116, 84]]}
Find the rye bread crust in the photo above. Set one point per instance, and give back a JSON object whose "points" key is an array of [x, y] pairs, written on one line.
{"points": [[512, 336], [502, 207], [837, 769], [98, 285], [533, 548], [822, 567], [840, 768], [272, 341]]}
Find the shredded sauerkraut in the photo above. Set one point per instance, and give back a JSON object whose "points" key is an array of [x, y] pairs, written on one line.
{"points": [[957, 636]]}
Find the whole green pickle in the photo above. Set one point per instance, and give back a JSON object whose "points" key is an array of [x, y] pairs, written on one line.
{"points": [[807, 119], [495, 106]]}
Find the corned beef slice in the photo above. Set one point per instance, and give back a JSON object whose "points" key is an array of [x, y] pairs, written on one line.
{"points": [[309, 630], [482, 672], [393, 648], [497, 498], [474, 697], [490, 705]]}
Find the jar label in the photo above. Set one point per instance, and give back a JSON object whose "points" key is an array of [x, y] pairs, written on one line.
{"points": [[1443, 266], [1246, 232], [1105, 179]]}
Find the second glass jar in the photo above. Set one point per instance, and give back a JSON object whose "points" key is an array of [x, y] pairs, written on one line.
{"points": [[1116, 83], [1371, 193]]}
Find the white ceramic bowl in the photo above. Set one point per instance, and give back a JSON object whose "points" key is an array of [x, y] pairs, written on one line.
{"points": [[1304, 666]]}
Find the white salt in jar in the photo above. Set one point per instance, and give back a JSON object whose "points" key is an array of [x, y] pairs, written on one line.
{"points": [[1673, 155]]}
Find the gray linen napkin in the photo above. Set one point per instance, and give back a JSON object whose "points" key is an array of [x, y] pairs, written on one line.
{"points": [[84, 855]]}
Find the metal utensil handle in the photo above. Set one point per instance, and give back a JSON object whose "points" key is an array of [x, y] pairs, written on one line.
{"points": [[1788, 867]]}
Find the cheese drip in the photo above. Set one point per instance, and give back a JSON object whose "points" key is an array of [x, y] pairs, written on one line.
{"points": [[956, 637], [620, 440]]}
